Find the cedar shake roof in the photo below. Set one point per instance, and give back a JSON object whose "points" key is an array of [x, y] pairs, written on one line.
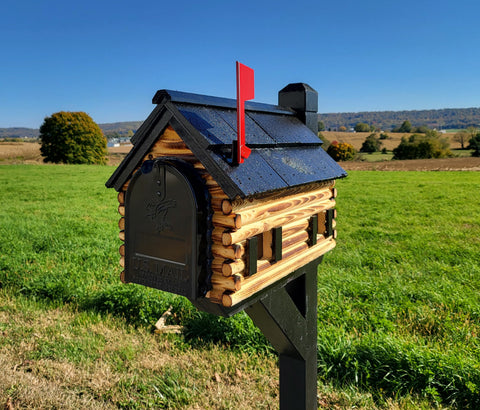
{"points": [[285, 152]]}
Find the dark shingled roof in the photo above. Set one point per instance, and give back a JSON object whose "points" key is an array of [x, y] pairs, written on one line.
{"points": [[285, 152]]}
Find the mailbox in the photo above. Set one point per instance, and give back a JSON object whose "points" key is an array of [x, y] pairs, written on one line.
{"points": [[196, 223], [166, 223], [234, 224]]}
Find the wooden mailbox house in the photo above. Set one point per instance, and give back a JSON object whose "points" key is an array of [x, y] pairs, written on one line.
{"points": [[198, 224]]}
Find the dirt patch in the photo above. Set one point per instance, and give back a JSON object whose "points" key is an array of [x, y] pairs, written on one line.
{"points": [[441, 164]]}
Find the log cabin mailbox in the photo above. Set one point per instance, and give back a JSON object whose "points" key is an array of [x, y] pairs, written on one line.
{"points": [[232, 236]]}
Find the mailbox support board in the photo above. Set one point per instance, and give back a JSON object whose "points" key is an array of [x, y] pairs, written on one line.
{"points": [[288, 319]]}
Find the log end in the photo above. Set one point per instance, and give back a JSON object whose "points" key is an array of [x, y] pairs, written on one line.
{"points": [[227, 207], [226, 269], [227, 239], [226, 300]]}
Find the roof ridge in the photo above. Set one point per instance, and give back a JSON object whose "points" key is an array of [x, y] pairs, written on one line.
{"points": [[181, 97]]}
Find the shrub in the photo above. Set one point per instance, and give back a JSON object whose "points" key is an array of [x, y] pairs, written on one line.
{"points": [[371, 144], [419, 146], [474, 144], [341, 151], [422, 129], [362, 127], [384, 136], [326, 142], [72, 138]]}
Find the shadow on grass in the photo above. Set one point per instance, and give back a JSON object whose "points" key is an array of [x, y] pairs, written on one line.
{"points": [[140, 306], [377, 363]]}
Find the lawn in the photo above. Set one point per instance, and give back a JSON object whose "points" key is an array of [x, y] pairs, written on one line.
{"points": [[398, 300]]}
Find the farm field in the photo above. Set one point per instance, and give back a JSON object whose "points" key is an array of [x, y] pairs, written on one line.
{"points": [[398, 303], [394, 138], [29, 153]]}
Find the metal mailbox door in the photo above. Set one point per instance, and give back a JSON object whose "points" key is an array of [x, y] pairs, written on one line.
{"points": [[161, 230]]}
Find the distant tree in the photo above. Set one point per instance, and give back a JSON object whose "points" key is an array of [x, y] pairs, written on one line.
{"points": [[341, 151], [72, 138], [417, 146], [112, 136], [321, 126], [371, 144], [422, 129], [465, 136], [405, 127], [384, 136], [474, 144], [342, 128], [362, 127]]}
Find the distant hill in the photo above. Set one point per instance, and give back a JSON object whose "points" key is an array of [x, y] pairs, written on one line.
{"points": [[120, 128], [18, 132], [447, 118], [440, 119]]}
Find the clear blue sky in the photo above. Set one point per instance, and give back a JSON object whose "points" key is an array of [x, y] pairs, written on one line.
{"points": [[108, 58]]}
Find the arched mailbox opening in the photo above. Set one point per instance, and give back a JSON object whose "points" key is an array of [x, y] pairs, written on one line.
{"points": [[167, 216]]}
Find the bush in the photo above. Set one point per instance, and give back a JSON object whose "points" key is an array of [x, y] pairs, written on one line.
{"points": [[371, 144], [419, 146], [422, 129], [341, 151], [362, 127], [72, 138], [326, 142], [474, 144]]}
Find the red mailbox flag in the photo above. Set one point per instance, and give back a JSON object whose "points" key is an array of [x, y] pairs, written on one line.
{"points": [[245, 91]]}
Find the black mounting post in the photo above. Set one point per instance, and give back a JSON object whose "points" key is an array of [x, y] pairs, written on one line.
{"points": [[288, 318]]}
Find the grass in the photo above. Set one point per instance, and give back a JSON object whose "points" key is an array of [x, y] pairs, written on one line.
{"points": [[399, 296], [398, 303], [375, 156]]}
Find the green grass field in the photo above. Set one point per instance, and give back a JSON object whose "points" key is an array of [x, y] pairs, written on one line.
{"points": [[399, 303]]}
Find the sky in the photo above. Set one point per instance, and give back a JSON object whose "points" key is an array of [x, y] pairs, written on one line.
{"points": [[108, 58]]}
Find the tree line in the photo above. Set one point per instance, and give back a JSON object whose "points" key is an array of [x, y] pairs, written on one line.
{"points": [[387, 120]]}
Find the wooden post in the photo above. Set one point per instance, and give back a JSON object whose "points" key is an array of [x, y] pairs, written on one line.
{"points": [[288, 319]]}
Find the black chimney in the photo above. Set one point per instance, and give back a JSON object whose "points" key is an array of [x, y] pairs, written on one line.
{"points": [[304, 100]]}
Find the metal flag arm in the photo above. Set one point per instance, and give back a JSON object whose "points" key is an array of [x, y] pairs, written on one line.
{"points": [[245, 91]]}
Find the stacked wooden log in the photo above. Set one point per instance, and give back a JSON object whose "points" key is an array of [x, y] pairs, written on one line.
{"points": [[121, 226], [236, 222], [241, 220]]}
